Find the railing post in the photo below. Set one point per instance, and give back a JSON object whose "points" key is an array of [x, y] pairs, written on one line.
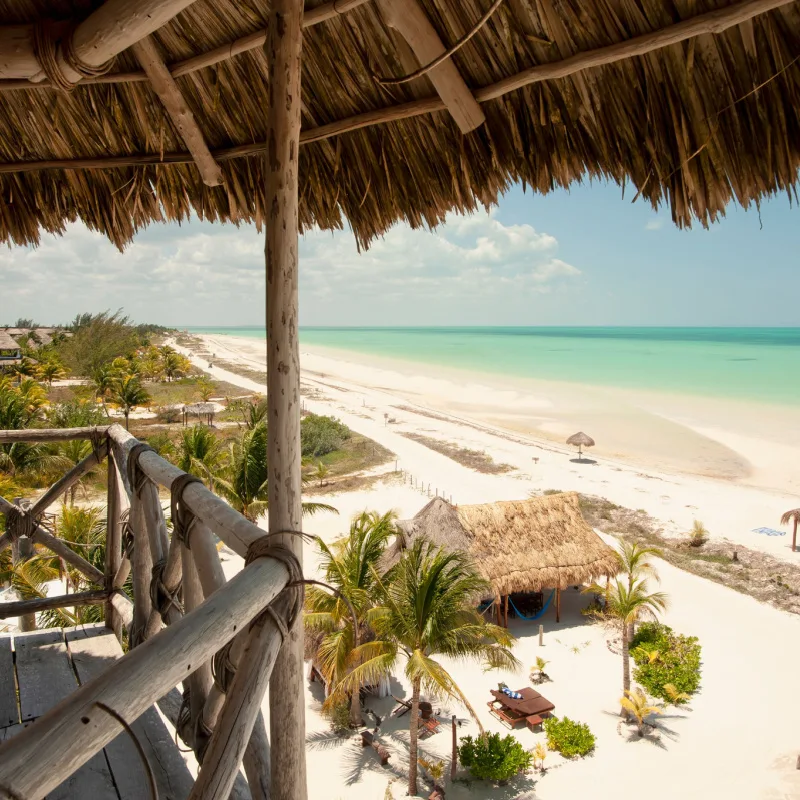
{"points": [[142, 571], [21, 551], [115, 504]]}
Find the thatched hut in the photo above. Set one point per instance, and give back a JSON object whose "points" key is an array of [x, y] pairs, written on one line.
{"points": [[580, 440], [793, 517], [519, 546], [10, 353]]}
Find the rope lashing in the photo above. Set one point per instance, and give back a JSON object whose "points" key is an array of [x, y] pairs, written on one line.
{"points": [[222, 668], [136, 476], [183, 517], [161, 596], [45, 47], [202, 737]]}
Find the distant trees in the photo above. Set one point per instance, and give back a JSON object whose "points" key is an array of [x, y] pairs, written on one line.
{"points": [[127, 392]]}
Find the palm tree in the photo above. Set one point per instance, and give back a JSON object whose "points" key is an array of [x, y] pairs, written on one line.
{"points": [[51, 371], [175, 365], [73, 453], [128, 393], [103, 380], [627, 602], [637, 705], [675, 696], [243, 482], [352, 568], [255, 413], [427, 609], [635, 563], [321, 472], [201, 453]]}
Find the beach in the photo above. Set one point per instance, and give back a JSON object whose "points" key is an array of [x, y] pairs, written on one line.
{"points": [[719, 746]]}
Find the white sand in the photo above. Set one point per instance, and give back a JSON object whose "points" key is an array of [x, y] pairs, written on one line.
{"points": [[738, 739]]}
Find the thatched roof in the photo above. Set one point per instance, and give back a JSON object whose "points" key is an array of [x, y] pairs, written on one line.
{"points": [[698, 123], [519, 546], [7, 342], [581, 439], [791, 516]]}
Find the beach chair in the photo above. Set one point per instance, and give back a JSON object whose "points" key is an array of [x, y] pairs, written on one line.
{"points": [[402, 707], [428, 727]]}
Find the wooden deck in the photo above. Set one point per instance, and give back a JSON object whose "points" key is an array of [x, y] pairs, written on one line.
{"points": [[39, 669]]}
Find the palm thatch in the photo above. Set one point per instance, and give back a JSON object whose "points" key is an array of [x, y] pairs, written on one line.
{"points": [[518, 546], [580, 439], [7, 342], [791, 516], [693, 125]]}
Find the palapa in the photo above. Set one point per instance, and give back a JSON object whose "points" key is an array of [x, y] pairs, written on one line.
{"points": [[518, 545], [580, 440], [567, 90]]}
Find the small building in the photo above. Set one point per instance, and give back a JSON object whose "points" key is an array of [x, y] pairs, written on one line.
{"points": [[10, 353], [519, 546]]}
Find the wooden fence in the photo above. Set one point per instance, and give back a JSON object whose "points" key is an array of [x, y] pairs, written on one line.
{"points": [[185, 624]]}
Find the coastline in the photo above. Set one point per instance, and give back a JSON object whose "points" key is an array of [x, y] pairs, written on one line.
{"points": [[668, 432]]}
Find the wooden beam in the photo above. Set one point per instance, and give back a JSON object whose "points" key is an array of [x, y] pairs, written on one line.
{"points": [[105, 33], [116, 503], [12, 34], [30, 435], [287, 688], [408, 18], [16, 609], [40, 757], [179, 112], [68, 480], [711, 22]]}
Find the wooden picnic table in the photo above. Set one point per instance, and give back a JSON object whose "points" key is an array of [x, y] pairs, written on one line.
{"points": [[512, 712]]}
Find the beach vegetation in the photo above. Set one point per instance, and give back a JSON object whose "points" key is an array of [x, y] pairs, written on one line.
{"points": [[425, 608], [568, 737], [243, 480], [626, 603], [675, 674], [339, 716], [698, 535], [128, 393], [51, 370], [492, 757], [201, 453], [639, 707], [539, 753], [320, 435], [538, 675], [78, 413], [352, 568]]}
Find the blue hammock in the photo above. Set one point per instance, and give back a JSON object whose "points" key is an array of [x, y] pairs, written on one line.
{"points": [[537, 614]]}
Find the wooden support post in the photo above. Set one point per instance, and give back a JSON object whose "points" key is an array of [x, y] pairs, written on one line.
{"points": [[541, 635], [179, 112], [558, 605], [116, 503], [286, 696], [201, 680], [142, 572], [499, 610], [454, 757], [241, 710], [505, 613], [24, 550], [408, 18]]}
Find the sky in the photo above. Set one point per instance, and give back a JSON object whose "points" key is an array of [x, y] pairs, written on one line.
{"points": [[583, 257]]}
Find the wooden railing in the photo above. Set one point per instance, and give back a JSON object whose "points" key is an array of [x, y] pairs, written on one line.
{"points": [[182, 617]]}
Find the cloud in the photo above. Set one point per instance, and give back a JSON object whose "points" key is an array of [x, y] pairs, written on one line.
{"points": [[200, 273], [655, 224]]}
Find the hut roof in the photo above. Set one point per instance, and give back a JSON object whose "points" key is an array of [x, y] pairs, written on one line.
{"points": [[791, 516], [7, 342], [519, 546], [693, 104], [582, 439]]}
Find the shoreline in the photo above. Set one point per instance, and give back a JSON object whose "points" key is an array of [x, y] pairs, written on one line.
{"points": [[672, 433]]}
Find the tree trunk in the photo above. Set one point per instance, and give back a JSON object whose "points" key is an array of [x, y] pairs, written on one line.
{"points": [[413, 755], [631, 631], [626, 665], [126, 419], [356, 719]]}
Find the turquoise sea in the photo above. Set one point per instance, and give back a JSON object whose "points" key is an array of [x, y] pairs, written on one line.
{"points": [[752, 364]]}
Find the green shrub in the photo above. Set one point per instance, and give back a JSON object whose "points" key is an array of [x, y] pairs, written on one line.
{"points": [[570, 738], [493, 758], [75, 414], [321, 435], [677, 663], [339, 715]]}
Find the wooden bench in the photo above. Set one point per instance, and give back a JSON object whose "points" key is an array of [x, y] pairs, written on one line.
{"points": [[534, 722], [368, 740]]}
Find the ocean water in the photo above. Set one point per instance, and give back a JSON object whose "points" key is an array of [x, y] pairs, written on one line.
{"points": [[752, 364]]}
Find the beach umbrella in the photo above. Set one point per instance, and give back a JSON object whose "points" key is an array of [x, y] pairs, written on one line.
{"points": [[580, 440], [792, 516]]}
